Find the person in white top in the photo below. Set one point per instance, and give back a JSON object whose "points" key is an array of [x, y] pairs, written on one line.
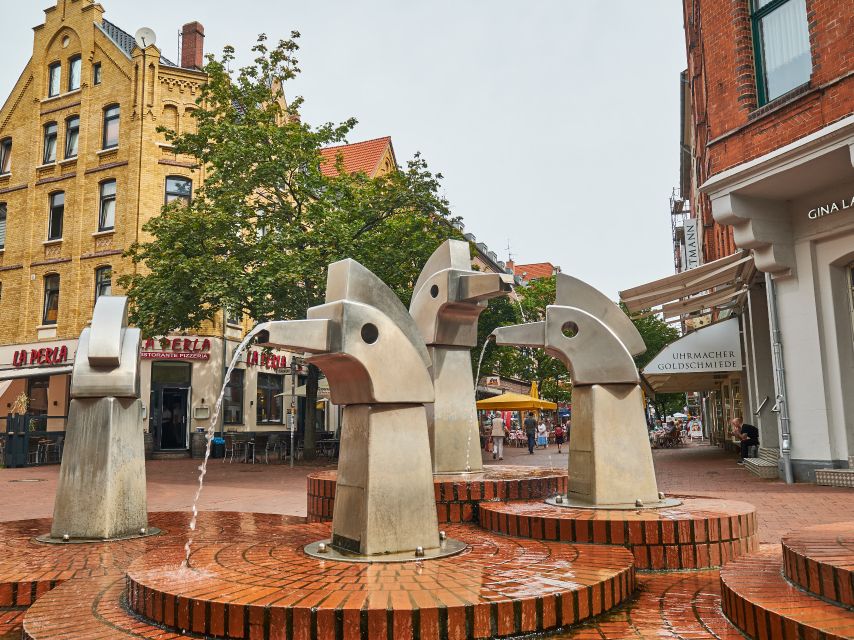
{"points": [[542, 435], [498, 432]]}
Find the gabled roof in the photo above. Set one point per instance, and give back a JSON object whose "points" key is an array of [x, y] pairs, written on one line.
{"points": [[358, 157], [534, 270], [126, 41]]}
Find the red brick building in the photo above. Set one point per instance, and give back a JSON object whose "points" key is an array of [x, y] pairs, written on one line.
{"points": [[767, 153], [751, 94]]}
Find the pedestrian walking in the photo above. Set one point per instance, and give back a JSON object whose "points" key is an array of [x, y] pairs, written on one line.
{"points": [[530, 431], [542, 435], [498, 432], [558, 436]]}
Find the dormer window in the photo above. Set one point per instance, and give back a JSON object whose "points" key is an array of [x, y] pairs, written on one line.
{"points": [[54, 75], [75, 67], [5, 156]]}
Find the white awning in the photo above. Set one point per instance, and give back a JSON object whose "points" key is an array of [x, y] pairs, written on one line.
{"points": [[698, 361], [33, 372], [712, 284]]}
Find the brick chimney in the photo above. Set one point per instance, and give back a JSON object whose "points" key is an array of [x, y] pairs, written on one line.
{"points": [[193, 46]]}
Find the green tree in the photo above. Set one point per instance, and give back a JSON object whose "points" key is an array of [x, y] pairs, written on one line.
{"points": [[501, 312], [259, 233], [657, 334]]}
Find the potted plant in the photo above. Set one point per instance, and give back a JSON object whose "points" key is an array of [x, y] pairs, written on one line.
{"points": [[17, 413]]}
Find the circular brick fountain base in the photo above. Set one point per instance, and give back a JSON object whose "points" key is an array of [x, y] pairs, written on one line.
{"points": [[457, 496]]}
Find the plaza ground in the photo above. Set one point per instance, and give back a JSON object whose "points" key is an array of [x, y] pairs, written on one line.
{"points": [[696, 470]]}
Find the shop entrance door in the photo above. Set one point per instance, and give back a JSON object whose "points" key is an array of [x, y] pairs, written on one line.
{"points": [[173, 418]]}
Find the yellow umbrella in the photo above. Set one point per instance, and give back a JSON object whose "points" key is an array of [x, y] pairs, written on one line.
{"points": [[515, 402], [535, 390]]}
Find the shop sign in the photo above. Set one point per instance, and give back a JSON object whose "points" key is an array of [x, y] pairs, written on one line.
{"points": [[266, 360], [692, 244], [492, 381], [189, 348], [831, 208], [711, 349], [42, 356]]}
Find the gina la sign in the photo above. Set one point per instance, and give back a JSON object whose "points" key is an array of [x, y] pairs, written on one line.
{"points": [[831, 208]]}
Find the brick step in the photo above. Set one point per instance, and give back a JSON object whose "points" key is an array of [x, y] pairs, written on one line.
{"points": [[758, 599], [698, 534], [772, 455], [90, 609], [835, 477], [820, 560]]}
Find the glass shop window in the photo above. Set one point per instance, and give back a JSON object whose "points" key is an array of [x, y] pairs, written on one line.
{"points": [[269, 399]]}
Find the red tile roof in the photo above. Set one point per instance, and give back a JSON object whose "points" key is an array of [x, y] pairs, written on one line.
{"points": [[534, 270], [362, 157]]}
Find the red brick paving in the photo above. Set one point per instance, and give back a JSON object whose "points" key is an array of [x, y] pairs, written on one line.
{"points": [[763, 604], [820, 560], [699, 534]]}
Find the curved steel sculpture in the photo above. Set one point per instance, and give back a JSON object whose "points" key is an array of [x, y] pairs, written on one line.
{"points": [[610, 462], [101, 492], [447, 301], [370, 350]]}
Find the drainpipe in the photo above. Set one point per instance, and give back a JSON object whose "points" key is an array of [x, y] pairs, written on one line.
{"points": [[779, 379]]}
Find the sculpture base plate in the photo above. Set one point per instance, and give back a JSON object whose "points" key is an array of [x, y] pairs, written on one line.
{"points": [[573, 503], [48, 539], [448, 547]]}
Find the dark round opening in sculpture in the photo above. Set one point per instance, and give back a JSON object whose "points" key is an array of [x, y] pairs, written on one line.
{"points": [[370, 333], [569, 329]]}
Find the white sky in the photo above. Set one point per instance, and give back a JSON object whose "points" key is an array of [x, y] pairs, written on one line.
{"points": [[554, 122]]}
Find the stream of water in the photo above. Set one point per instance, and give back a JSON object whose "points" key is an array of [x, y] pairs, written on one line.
{"points": [[203, 468]]}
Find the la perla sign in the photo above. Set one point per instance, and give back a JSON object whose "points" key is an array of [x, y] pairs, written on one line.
{"points": [[831, 208]]}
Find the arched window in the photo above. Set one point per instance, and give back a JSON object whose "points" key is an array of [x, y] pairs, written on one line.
{"points": [[54, 75], [72, 136], [55, 215], [51, 298], [5, 155], [178, 188], [75, 68], [107, 209], [50, 136], [103, 282], [111, 126]]}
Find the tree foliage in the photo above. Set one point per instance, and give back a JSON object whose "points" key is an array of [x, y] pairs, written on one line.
{"points": [[266, 222]]}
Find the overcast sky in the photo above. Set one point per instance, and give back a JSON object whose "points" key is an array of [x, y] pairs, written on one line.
{"points": [[554, 122]]}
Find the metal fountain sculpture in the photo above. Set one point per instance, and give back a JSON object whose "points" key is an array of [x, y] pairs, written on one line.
{"points": [[610, 462], [369, 348], [101, 492], [447, 301]]}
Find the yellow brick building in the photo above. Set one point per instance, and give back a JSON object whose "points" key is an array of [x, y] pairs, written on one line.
{"points": [[82, 168]]}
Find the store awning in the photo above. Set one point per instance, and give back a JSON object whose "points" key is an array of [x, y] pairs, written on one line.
{"points": [[698, 361], [33, 372], [705, 287]]}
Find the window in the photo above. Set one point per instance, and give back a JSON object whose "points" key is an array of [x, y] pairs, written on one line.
{"points": [[781, 43], [107, 211], [5, 155], [72, 136], [2, 225], [50, 131], [75, 66], [57, 211], [51, 298], [37, 389], [111, 127], [269, 400], [178, 188], [96, 73], [103, 282], [54, 73], [232, 401], [233, 316]]}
